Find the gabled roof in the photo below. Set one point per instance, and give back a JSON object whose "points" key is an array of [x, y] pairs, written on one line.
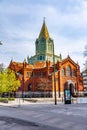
{"points": [[39, 65], [44, 31], [20, 65], [70, 60]]}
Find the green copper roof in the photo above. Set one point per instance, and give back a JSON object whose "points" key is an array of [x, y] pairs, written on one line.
{"points": [[44, 31]]}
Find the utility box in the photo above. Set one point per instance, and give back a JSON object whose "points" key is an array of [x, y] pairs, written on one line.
{"points": [[67, 96]]}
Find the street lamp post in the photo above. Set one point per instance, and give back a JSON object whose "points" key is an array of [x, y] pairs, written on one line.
{"points": [[23, 84], [22, 76], [23, 88], [54, 77]]}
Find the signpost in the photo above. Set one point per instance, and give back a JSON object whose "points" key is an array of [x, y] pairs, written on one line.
{"points": [[19, 89], [67, 96]]}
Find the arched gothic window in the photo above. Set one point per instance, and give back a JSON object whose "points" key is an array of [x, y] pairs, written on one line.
{"points": [[73, 72], [63, 72], [68, 71]]}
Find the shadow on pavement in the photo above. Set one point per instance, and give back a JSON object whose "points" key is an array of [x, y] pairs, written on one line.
{"points": [[6, 122]]}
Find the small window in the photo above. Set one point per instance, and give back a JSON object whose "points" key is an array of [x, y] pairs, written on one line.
{"points": [[29, 87], [28, 74], [40, 57]]}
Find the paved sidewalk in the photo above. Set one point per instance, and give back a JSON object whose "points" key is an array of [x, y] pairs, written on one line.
{"points": [[45, 116], [19, 102]]}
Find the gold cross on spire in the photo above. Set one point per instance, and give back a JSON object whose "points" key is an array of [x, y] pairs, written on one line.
{"points": [[44, 19]]}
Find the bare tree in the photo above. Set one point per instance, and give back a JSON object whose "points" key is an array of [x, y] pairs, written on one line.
{"points": [[85, 54], [44, 85], [1, 67], [0, 43]]}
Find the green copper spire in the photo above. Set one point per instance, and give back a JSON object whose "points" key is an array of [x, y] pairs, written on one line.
{"points": [[44, 46], [44, 31]]}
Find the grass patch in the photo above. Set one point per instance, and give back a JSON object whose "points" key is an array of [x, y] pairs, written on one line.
{"points": [[30, 100], [11, 99], [5, 100]]}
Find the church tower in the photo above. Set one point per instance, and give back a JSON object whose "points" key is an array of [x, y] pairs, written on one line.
{"points": [[44, 47]]}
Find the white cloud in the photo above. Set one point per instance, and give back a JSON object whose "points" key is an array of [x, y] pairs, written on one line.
{"points": [[20, 26], [73, 47]]}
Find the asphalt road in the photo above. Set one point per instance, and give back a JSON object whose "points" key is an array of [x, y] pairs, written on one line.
{"points": [[44, 117]]}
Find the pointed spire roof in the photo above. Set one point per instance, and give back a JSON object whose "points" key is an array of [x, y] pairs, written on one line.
{"points": [[44, 31]]}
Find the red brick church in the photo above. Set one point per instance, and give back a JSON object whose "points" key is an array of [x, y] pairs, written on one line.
{"points": [[47, 73]]}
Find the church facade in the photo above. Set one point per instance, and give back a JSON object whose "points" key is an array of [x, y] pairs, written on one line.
{"points": [[46, 73]]}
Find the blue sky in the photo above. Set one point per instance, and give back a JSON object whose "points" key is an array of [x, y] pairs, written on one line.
{"points": [[21, 21]]}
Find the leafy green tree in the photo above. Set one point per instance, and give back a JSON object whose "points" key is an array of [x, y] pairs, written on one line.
{"points": [[8, 81], [3, 80], [12, 82]]}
